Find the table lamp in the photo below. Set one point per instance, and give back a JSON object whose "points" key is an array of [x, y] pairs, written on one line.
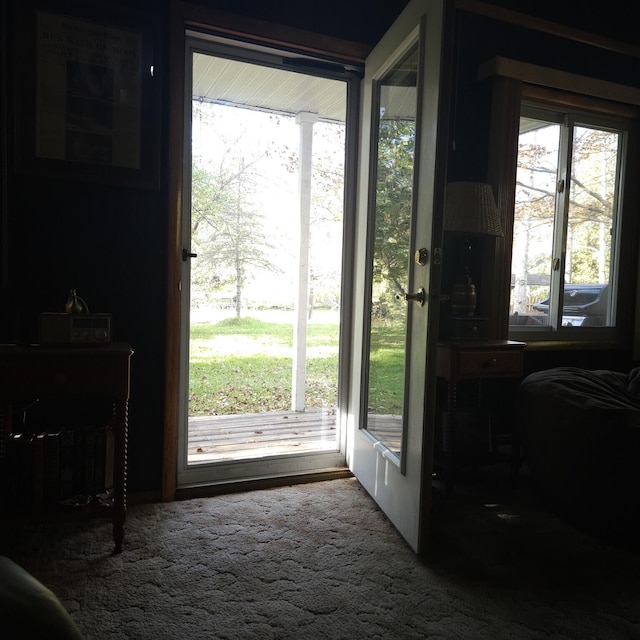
{"points": [[470, 209]]}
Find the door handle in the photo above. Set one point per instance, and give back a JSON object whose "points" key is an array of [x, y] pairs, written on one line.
{"points": [[420, 297], [187, 254]]}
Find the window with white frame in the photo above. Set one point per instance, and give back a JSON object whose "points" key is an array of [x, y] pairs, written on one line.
{"points": [[566, 227]]}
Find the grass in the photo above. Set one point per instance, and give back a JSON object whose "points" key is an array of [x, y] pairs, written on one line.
{"points": [[386, 369], [244, 366]]}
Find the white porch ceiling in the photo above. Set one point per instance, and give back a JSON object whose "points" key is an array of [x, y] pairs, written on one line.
{"points": [[253, 86]]}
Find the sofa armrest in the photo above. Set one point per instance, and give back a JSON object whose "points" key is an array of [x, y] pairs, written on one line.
{"points": [[29, 610]]}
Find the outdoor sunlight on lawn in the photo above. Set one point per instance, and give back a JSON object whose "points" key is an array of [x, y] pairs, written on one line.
{"points": [[246, 363], [245, 202], [279, 344]]}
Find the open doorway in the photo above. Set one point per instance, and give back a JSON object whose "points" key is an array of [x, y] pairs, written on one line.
{"points": [[263, 311]]}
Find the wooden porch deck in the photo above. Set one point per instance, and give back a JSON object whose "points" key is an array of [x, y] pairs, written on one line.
{"points": [[236, 437], [239, 437]]}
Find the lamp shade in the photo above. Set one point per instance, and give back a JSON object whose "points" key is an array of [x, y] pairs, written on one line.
{"points": [[471, 208]]}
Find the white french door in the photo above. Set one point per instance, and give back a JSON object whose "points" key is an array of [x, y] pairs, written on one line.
{"points": [[391, 416]]}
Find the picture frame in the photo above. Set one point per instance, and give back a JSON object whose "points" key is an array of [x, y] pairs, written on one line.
{"points": [[92, 110]]}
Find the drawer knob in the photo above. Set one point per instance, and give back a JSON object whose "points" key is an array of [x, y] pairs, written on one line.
{"points": [[493, 362]]}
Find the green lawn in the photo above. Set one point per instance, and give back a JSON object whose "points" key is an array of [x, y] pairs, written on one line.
{"points": [[244, 366], [386, 369]]}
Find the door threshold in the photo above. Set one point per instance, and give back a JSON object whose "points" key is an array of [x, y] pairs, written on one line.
{"points": [[207, 490]]}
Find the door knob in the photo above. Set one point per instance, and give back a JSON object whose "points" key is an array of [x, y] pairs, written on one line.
{"points": [[420, 297]]}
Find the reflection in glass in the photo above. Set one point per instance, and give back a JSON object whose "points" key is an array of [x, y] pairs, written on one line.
{"points": [[396, 129]]}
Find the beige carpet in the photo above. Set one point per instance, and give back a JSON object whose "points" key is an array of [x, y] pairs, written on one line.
{"points": [[321, 561]]}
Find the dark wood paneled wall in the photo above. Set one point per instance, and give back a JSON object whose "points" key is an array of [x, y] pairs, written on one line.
{"points": [[111, 242]]}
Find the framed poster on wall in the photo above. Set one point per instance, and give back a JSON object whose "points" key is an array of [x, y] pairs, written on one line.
{"points": [[93, 111]]}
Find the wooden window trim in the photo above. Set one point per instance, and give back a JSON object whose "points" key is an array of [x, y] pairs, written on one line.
{"points": [[573, 101], [548, 78], [501, 174]]}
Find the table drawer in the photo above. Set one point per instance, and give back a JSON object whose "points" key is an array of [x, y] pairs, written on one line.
{"points": [[66, 373], [490, 363]]}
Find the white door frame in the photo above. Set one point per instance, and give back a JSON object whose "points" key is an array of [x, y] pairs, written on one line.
{"points": [[273, 466]]}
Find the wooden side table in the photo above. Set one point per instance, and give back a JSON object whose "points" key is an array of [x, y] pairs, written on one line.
{"points": [[35, 372], [473, 360]]}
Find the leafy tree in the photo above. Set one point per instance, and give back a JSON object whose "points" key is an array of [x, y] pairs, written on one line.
{"points": [[394, 189], [227, 227]]}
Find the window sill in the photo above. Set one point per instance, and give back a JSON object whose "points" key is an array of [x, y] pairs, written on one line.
{"points": [[571, 345]]}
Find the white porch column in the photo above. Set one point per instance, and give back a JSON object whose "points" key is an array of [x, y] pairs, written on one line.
{"points": [[306, 121]]}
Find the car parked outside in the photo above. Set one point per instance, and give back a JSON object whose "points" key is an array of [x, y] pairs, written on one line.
{"points": [[584, 305]]}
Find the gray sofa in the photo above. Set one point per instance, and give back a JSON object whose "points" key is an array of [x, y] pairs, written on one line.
{"points": [[580, 437]]}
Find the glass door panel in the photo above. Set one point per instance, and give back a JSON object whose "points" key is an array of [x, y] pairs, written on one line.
{"points": [[395, 95]]}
